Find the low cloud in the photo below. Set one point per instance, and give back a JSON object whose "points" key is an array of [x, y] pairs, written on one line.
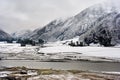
{"points": [[31, 14]]}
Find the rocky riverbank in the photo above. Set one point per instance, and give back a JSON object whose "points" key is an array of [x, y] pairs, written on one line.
{"points": [[22, 73]]}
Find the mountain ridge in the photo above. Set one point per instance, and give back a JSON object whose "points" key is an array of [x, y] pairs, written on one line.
{"points": [[89, 23], [73, 26]]}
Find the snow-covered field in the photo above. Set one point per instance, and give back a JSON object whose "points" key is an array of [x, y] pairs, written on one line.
{"points": [[15, 51], [92, 53], [15, 48], [87, 52]]}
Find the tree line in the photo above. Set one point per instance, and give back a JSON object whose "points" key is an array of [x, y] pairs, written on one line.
{"points": [[23, 42], [104, 38]]}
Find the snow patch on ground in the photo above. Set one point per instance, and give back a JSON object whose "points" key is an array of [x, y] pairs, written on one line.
{"points": [[93, 53], [86, 51], [112, 72], [14, 51], [4, 73]]}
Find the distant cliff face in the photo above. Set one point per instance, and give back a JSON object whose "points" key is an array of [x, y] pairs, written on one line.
{"points": [[91, 21], [4, 36]]}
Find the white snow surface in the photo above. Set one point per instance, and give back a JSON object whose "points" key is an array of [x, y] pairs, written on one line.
{"points": [[8, 48], [112, 72], [15, 48], [112, 52], [15, 51], [57, 48]]}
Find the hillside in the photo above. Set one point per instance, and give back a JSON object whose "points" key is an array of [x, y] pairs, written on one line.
{"points": [[21, 34], [4, 36]]}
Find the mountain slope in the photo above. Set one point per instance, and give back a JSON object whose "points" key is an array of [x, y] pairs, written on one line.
{"points": [[21, 34], [106, 29], [4, 36], [83, 24]]}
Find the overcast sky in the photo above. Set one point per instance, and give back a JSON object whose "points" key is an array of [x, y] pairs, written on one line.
{"points": [[31, 14]]}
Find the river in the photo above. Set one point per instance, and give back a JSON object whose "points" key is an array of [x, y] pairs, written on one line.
{"points": [[70, 65]]}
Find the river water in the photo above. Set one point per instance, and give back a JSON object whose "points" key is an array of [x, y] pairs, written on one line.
{"points": [[70, 65]]}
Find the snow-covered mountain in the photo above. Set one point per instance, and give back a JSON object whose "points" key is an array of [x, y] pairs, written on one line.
{"points": [[4, 35], [91, 20], [106, 27], [21, 34]]}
